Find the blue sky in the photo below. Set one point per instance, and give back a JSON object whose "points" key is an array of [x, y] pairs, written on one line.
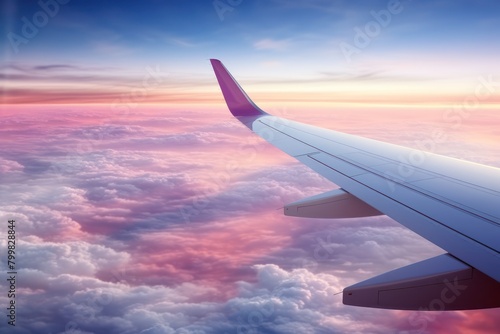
{"points": [[297, 37]]}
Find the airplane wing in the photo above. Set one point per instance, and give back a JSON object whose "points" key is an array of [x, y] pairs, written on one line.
{"points": [[453, 203]]}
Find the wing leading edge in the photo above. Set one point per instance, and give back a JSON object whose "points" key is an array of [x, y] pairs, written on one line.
{"points": [[450, 202]]}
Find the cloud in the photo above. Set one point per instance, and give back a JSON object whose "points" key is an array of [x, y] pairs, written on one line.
{"points": [[284, 300], [43, 222], [9, 166], [180, 42], [183, 139], [73, 258], [271, 44], [54, 67]]}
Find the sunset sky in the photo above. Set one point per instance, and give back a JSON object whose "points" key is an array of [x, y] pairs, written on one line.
{"points": [[142, 206]]}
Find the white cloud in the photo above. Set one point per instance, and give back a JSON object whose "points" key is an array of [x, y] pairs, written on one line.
{"points": [[272, 44], [75, 258]]}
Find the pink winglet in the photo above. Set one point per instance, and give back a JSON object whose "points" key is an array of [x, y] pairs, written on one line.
{"points": [[237, 100]]}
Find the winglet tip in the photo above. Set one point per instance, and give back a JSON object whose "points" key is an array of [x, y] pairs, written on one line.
{"points": [[236, 99]]}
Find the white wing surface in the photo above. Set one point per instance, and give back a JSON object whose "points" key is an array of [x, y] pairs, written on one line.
{"points": [[453, 203]]}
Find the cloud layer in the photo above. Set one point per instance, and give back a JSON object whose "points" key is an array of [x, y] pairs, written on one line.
{"points": [[168, 221]]}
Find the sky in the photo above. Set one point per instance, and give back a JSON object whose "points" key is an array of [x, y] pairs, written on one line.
{"points": [[142, 206]]}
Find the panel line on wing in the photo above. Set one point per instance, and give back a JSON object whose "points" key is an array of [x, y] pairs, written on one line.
{"points": [[400, 163], [369, 169], [409, 207]]}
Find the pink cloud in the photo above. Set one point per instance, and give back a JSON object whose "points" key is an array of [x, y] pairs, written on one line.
{"points": [[102, 198]]}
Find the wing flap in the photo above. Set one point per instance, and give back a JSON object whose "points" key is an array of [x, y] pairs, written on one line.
{"points": [[337, 203], [437, 284]]}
